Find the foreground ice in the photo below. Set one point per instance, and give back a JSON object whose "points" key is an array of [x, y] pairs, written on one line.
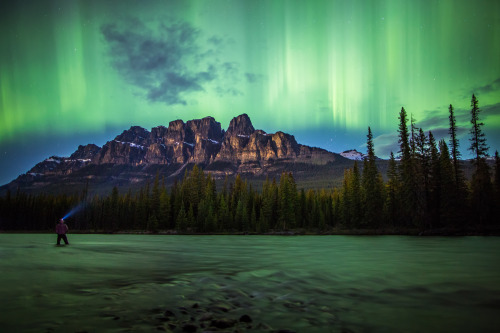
{"points": [[137, 283]]}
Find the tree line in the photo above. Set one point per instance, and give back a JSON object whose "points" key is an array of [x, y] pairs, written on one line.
{"points": [[425, 190]]}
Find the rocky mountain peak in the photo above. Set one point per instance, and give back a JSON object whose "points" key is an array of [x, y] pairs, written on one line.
{"points": [[158, 133], [135, 134], [241, 149], [241, 125], [206, 128], [86, 152], [178, 133]]}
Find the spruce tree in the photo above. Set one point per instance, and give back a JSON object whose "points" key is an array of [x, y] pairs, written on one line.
{"points": [[287, 198], [481, 180], [164, 218], [181, 220], [154, 204], [454, 144], [447, 189], [407, 172], [434, 202], [372, 186], [497, 183], [478, 144], [497, 173], [225, 219], [392, 204], [351, 193]]}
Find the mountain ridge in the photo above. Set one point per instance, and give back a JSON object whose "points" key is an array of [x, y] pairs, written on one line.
{"points": [[132, 155]]}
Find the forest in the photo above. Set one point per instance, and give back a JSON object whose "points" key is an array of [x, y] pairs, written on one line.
{"points": [[425, 192]]}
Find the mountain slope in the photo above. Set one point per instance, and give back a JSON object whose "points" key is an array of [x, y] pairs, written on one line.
{"points": [[136, 155]]}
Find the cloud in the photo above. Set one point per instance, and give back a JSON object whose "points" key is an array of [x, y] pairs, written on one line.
{"points": [[254, 78], [492, 86], [169, 61], [385, 143]]}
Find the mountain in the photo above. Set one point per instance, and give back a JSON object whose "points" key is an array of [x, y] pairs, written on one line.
{"points": [[137, 155], [353, 154]]}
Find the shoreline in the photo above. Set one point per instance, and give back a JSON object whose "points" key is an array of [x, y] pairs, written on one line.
{"points": [[443, 232]]}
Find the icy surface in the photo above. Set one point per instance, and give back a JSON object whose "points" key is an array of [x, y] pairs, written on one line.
{"points": [[126, 283]]}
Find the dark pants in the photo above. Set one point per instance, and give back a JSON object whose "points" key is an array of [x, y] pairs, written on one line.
{"points": [[63, 237]]}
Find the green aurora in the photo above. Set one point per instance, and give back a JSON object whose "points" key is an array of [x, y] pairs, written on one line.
{"points": [[75, 72]]}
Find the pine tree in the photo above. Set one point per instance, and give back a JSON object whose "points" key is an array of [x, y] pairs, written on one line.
{"points": [[191, 218], [497, 183], [392, 204], [372, 185], [434, 202], [225, 219], [113, 210], [241, 216], [164, 212], [481, 180], [413, 137], [447, 188], [478, 140], [287, 194], [407, 172], [253, 219], [351, 193], [454, 144], [154, 205], [181, 220], [152, 223]]}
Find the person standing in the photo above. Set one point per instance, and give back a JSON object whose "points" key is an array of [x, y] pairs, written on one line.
{"points": [[61, 230]]}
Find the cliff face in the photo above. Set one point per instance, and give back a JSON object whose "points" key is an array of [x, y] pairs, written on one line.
{"points": [[202, 141], [240, 149], [243, 144]]}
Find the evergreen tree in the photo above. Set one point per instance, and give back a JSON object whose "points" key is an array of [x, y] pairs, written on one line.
{"points": [[191, 218], [497, 183], [373, 186], [262, 224], [152, 223], [481, 194], [112, 211], [413, 136], [434, 202], [287, 194], [164, 219], [181, 220], [352, 212], [154, 205], [454, 144], [447, 188], [393, 186], [211, 220], [409, 184], [241, 216], [478, 144], [253, 219], [225, 219], [301, 211]]}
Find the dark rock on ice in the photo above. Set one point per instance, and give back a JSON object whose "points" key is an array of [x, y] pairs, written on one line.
{"points": [[169, 313], [245, 319], [223, 323], [189, 328]]}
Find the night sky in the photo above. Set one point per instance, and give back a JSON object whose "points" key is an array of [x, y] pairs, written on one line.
{"points": [[78, 72]]}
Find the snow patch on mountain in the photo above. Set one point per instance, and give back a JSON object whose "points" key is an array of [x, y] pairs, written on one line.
{"points": [[353, 154]]}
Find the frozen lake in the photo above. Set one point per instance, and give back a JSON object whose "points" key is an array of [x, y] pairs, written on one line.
{"points": [[138, 283]]}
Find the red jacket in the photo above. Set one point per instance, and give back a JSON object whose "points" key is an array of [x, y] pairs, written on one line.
{"points": [[61, 228]]}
